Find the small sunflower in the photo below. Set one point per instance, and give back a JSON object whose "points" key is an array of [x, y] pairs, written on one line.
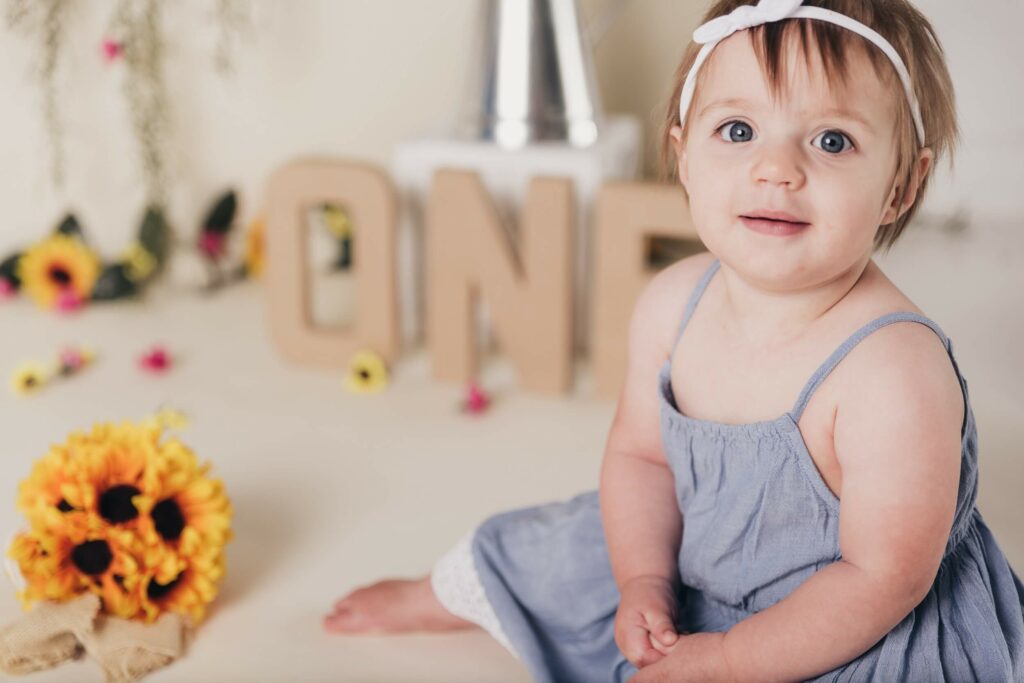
{"points": [[29, 377], [139, 263], [167, 418], [57, 270], [255, 249], [366, 373], [337, 221]]}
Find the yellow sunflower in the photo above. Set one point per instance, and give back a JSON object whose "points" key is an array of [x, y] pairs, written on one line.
{"points": [[184, 528], [40, 496], [167, 418], [99, 472], [138, 262], [83, 556], [59, 265], [185, 587], [46, 575], [29, 377], [185, 510], [366, 373], [337, 221], [255, 249]]}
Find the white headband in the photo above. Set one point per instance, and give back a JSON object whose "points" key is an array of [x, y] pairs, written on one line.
{"points": [[748, 16]]}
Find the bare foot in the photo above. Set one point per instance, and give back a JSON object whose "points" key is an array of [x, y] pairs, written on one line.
{"points": [[392, 606]]}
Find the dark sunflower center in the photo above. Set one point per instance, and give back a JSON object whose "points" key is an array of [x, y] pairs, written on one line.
{"points": [[168, 519], [116, 504], [60, 275], [92, 557], [155, 590], [364, 374], [64, 506]]}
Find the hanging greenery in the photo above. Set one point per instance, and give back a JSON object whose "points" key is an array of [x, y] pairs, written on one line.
{"points": [[44, 22], [233, 20], [135, 30], [63, 272], [134, 38]]}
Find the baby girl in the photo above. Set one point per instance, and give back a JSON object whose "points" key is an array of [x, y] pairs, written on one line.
{"points": [[789, 483]]}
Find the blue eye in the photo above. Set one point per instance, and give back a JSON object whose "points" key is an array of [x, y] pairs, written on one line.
{"points": [[834, 141], [736, 131]]}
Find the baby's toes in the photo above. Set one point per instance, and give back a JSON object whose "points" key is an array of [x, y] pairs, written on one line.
{"points": [[343, 621]]}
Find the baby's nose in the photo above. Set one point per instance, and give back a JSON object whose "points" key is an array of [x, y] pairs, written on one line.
{"points": [[779, 164]]}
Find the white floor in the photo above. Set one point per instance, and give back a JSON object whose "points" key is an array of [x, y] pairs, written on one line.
{"points": [[334, 490]]}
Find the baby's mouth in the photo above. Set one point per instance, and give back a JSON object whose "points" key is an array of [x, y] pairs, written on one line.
{"points": [[777, 218], [786, 225]]}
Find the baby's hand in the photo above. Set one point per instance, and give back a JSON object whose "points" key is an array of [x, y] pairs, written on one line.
{"points": [[644, 628]]}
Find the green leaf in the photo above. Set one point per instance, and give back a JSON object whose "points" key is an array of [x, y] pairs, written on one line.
{"points": [[155, 235], [70, 227], [9, 269], [113, 283], [222, 215]]}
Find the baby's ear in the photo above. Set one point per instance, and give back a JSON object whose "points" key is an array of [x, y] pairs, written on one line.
{"points": [[917, 176], [676, 133]]}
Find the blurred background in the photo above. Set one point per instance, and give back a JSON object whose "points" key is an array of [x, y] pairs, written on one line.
{"points": [[352, 78], [343, 488]]}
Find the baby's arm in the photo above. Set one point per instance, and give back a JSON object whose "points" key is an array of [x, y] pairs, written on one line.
{"points": [[641, 517], [897, 438]]}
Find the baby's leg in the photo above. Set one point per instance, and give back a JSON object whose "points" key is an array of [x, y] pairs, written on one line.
{"points": [[393, 606]]}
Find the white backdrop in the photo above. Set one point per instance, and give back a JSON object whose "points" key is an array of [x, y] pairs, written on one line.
{"points": [[352, 78]]}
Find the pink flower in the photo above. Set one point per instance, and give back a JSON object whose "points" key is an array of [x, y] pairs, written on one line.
{"points": [[68, 301], [212, 244], [155, 360], [71, 359], [112, 49], [476, 400], [74, 359], [7, 290]]}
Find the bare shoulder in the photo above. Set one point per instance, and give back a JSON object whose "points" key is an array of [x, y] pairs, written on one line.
{"points": [[904, 361], [899, 378], [652, 328], [659, 307]]}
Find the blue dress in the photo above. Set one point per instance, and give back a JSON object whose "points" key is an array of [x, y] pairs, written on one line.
{"points": [[759, 521]]}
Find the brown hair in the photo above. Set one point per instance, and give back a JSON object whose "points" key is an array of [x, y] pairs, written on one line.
{"points": [[897, 21]]}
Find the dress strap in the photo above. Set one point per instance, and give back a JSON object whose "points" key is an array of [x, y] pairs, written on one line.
{"points": [[702, 284], [822, 372]]}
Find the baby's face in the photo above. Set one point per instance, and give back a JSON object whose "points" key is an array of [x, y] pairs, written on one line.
{"points": [[826, 158]]}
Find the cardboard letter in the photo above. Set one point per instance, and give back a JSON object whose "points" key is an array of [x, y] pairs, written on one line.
{"points": [[628, 215], [526, 281], [369, 197]]}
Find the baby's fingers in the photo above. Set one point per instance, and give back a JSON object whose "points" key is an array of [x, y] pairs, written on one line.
{"points": [[637, 646], [662, 630]]}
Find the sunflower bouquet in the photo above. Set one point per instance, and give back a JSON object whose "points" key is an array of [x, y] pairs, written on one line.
{"points": [[127, 514]]}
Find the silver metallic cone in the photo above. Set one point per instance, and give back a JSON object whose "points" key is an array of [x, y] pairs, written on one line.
{"points": [[534, 77]]}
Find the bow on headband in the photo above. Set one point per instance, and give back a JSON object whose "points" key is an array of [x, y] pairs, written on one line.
{"points": [[744, 17]]}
